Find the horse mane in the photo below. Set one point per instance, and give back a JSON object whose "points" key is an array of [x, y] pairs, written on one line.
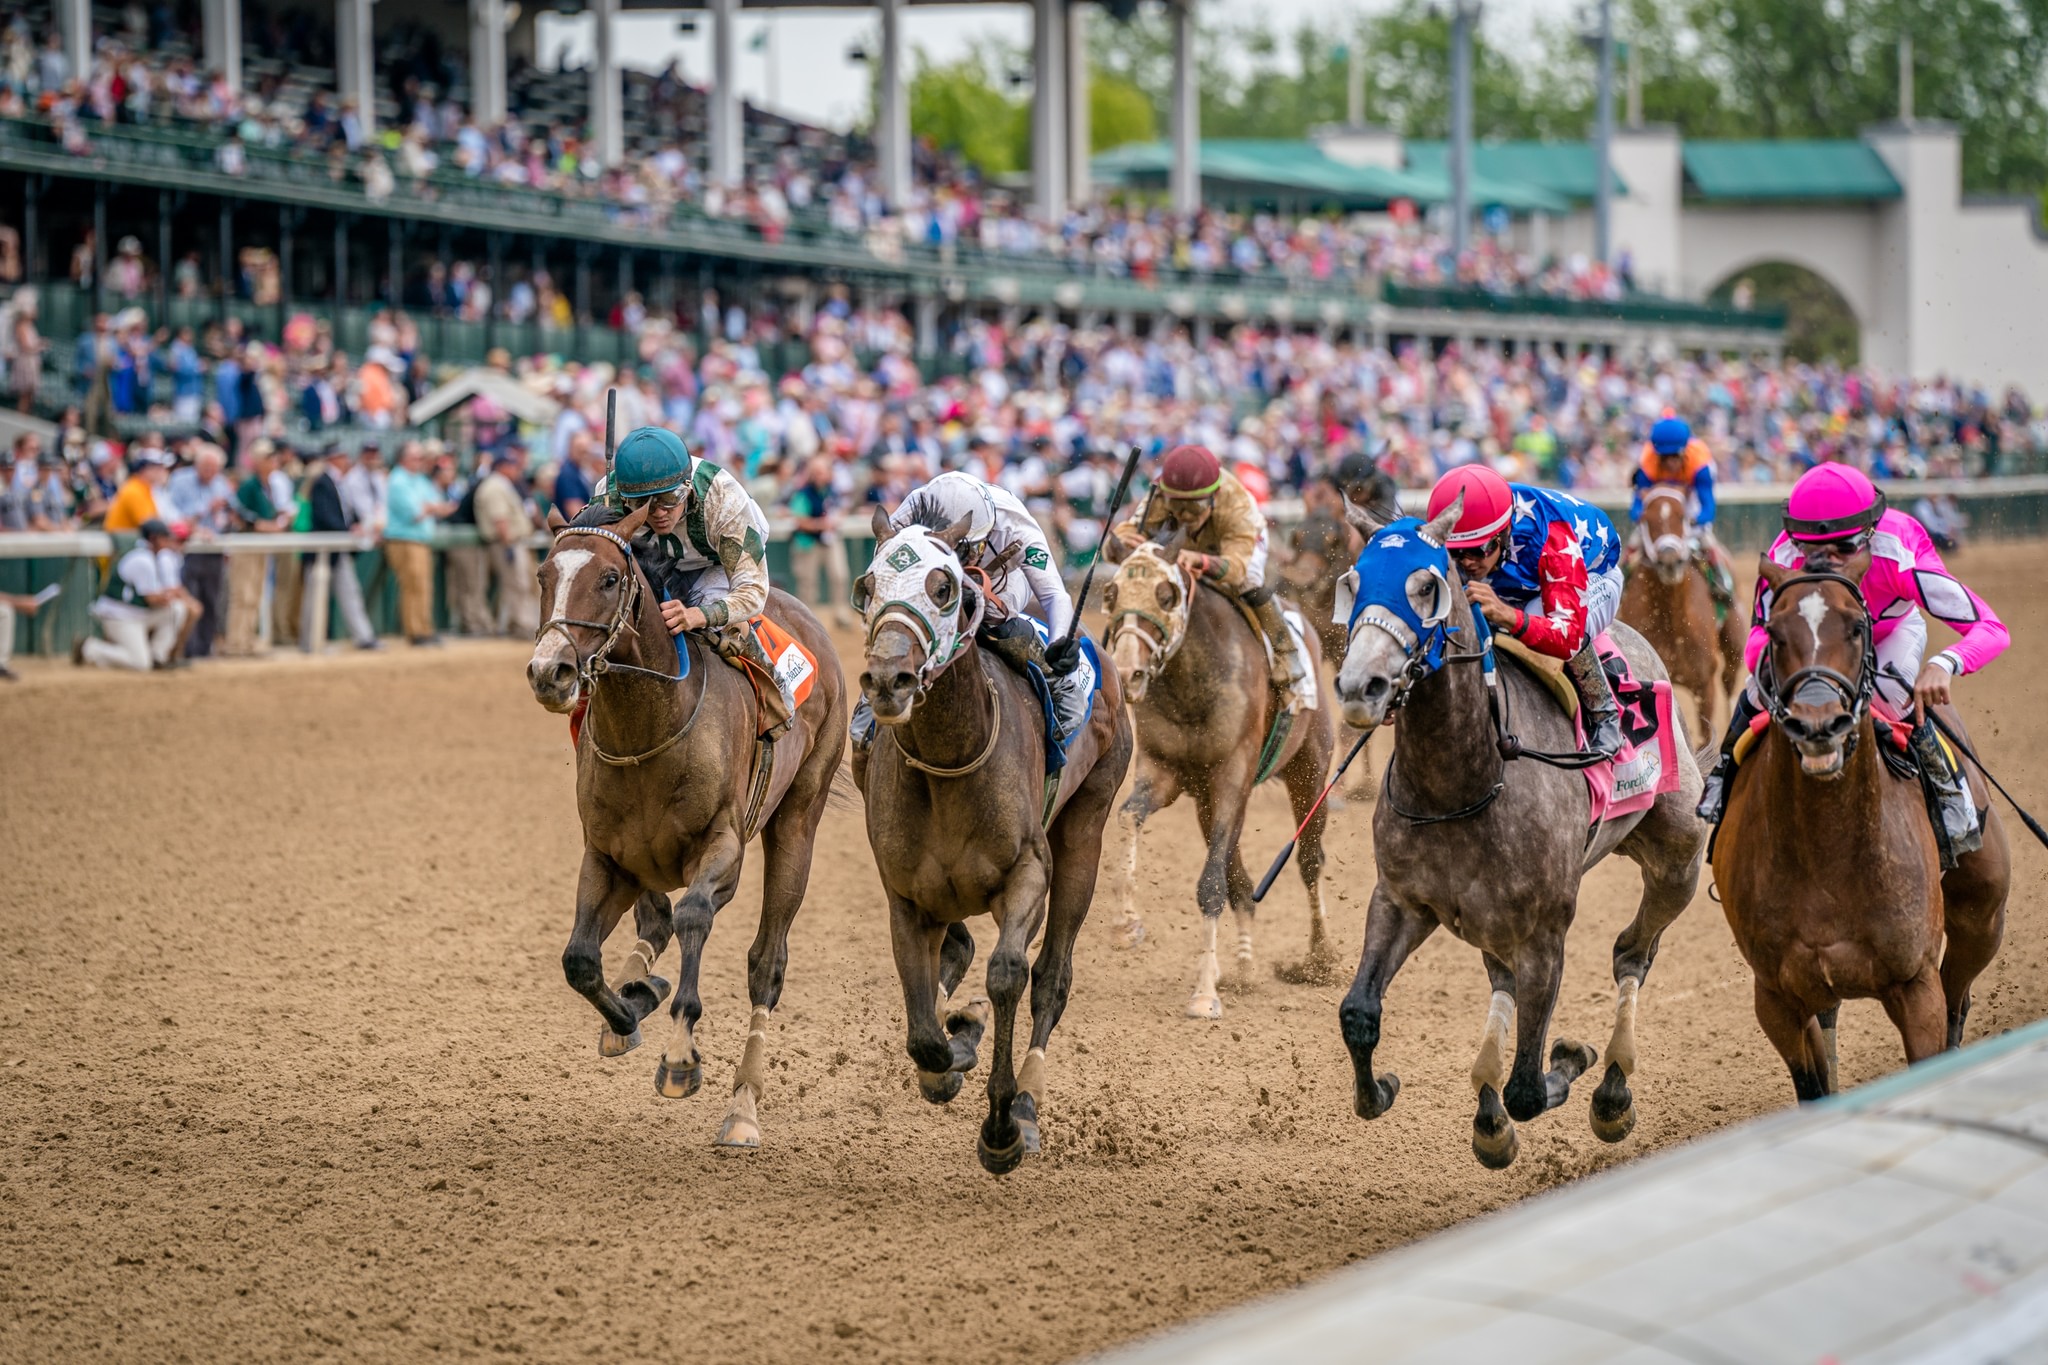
{"points": [[930, 516], [654, 561]]}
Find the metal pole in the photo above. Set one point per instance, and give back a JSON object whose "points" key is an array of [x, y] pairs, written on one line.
{"points": [[496, 242], [1603, 194], [340, 268], [99, 245], [31, 236], [227, 258], [163, 258], [287, 219], [1905, 78], [1463, 16], [1354, 80]]}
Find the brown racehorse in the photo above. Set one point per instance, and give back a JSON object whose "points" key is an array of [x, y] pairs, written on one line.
{"points": [[1827, 865], [1670, 603], [1196, 674], [662, 784], [958, 818]]}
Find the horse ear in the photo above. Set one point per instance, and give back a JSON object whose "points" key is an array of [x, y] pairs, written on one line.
{"points": [[629, 525], [1114, 551], [1368, 522], [1439, 527], [1772, 572], [883, 527], [556, 525], [950, 536], [1175, 542]]}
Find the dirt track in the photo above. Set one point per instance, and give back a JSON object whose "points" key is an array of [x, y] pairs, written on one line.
{"points": [[288, 1069]]}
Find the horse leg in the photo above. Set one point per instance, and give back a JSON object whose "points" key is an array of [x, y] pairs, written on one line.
{"points": [[916, 940], [1019, 909], [1920, 1014], [635, 982], [786, 843], [1392, 932], [1828, 1019], [1667, 845], [681, 1070], [1797, 1036], [1973, 897], [1220, 810], [602, 895], [1304, 779], [1493, 1133], [1539, 970], [1151, 793]]}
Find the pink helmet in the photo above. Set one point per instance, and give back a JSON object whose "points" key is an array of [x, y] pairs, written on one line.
{"points": [[1832, 501], [1489, 502]]}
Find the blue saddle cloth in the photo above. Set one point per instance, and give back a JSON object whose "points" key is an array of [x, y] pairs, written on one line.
{"points": [[1055, 742]]}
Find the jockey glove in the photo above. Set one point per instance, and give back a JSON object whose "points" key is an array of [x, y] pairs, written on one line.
{"points": [[1063, 655]]}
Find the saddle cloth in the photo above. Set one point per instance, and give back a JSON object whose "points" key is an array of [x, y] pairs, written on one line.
{"points": [[1041, 685], [1647, 765]]}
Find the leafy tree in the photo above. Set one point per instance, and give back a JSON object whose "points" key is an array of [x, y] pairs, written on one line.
{"points": [[964, 106], [1118, 112]]}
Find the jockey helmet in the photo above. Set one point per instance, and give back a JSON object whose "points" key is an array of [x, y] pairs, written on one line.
{"points": [[959, 494], [1670, 436], [650, 461], [1832, 501], [1489, 502], [1190, 472]]}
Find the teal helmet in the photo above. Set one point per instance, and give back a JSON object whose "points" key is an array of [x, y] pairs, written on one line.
{"points": [[650, 461]]}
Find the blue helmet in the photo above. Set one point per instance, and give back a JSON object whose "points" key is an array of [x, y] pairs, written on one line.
{"points": [[1670, 436], [650, 461]]}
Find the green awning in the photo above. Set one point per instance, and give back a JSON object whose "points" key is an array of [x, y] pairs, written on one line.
{"points": [[1569, 169], [1283, 170], [1780, 171]]}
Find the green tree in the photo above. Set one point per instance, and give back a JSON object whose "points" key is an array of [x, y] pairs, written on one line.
{"points": [[964, 107], [1118, 112]]}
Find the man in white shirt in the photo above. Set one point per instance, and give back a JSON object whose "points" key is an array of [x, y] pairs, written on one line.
{"points": [[144, 614]]}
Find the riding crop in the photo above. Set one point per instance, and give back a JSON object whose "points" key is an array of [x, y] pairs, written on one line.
{"points": [[611, 446], [1963, 748], [1116, 504], [1266, 882]]}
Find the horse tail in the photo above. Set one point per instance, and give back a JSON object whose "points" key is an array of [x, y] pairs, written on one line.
{"points": [[843, 794]]}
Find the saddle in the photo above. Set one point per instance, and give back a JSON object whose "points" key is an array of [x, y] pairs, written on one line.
{"points": [[1305, 697], [1545, 669]]}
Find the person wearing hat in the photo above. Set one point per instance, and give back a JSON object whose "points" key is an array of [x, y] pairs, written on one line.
{"points": [[705, 543], [1674, 457], [413, 506], [141, 497], [1225, 542], [144, 614], [506, 526], [203, 500], [327, 510]]}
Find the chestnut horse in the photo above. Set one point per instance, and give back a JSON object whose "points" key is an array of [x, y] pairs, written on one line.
{"points": [[1827, 865], [662, 783], [1669, 602], [960, 823]]}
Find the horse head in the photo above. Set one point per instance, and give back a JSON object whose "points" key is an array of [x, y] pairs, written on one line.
{"points": [[1397, 602], [1148, 603], [1666, 533], [919, 610], [589, 582], [1819, 665]]}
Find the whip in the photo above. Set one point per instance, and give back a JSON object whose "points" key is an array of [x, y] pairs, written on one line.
{"points": [[1116, 504], [1963, 748], [611, 447], [1266, 882]]}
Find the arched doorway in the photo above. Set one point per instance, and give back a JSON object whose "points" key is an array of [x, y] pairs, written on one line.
{"points": [[1819, 324]]}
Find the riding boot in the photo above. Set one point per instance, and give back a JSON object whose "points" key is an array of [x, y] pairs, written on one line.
{"points": [[1714, 795], [1015, 642], [1286, 673], [1601, 716], [1959, 830], [776, 706], [1720, 573]]}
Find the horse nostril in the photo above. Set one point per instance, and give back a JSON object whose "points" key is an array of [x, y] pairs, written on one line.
{"points": [[1836, 724], [1376, 689], [903, 681]]}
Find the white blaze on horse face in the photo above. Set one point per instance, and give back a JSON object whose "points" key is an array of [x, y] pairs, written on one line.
{"points": [[1814, 609], [568, 562]]}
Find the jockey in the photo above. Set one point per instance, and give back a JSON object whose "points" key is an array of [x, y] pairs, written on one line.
{"points": [[1675, 458], [1516, 546], [996, 521], [1836, 520], [1226, 542], [704, 547]]}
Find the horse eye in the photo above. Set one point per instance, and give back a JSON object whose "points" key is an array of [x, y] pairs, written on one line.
{"points": [[1109, 597], [611, 580], [1166, 593], [938, 585]]}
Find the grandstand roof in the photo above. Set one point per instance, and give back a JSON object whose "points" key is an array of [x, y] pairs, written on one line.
{"points": [[1788, 170], [1292, 170], [1564, 168]]}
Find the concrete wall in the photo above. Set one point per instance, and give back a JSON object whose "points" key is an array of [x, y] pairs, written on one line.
{"points": [[1645, 221], [1838, 244]]}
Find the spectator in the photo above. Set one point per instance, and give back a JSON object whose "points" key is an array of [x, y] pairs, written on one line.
{"points": [[414, 504], [203, 501], [188, 379], [578, 475], [144, 615], [141, 498], [469, 566], [365, 488], [257, 511], [507, 528], [328, 510], [815, 552], [24, 345], [11, 605]]}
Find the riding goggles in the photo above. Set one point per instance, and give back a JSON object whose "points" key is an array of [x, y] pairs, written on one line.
{"points": [[661, 502]]}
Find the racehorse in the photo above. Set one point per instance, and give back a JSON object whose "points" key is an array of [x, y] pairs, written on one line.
{"points": [[1319, 549], [1827, 866], [1489, 848], [663, 769], [964, 821], [1668, 599], [1196, 674]]}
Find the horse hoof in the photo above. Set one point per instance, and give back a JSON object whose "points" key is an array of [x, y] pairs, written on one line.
{"points": [[1494, 1140], [1572, 1060], [678, 1080], [610, 1044], [1024, 1109], [1614, 1108], [939, 1086], [645, 995], [1001, 1160], [739, 1135], [1375, 1100], [1211, 1008]]}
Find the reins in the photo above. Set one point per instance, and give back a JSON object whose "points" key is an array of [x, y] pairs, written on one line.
{"points": [[1855, 696]]}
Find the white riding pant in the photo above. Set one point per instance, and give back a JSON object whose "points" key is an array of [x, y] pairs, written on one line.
{"points": [[6, 634], [136, 641], [1901, 650], [1603, 601]]}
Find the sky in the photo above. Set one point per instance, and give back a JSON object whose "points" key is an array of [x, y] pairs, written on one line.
{"points": [[803, 69]]}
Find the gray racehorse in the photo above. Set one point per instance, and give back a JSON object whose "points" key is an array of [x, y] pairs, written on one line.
{"points": [[1492, 849]]}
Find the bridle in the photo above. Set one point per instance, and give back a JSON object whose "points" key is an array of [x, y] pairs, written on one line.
{"points": [[907, 615], [590, 667], [1855, 696], [1652, 548], [1172, 633]]}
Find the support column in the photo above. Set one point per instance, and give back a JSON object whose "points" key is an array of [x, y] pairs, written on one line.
{"points": [[355, 59], [927, 328], [99, 245], [74, 18], [220, 24], [607, 122], [1185, 183], [1048, 109], [892, 108], [1080, 179], [727, 130], [487, 95]]}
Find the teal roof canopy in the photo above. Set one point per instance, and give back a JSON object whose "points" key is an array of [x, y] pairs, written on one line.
{"points": [[1292, 170], [1788, 170], [1569, 169]]}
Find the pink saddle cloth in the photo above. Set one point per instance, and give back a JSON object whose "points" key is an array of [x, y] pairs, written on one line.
{"points": [[1647, 765]]}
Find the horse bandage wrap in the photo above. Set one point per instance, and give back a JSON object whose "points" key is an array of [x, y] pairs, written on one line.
{"points": [[901, 591]]}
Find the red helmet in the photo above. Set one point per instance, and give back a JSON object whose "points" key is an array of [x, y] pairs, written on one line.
{"points": [[1489, 502], [1190, 472]]}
